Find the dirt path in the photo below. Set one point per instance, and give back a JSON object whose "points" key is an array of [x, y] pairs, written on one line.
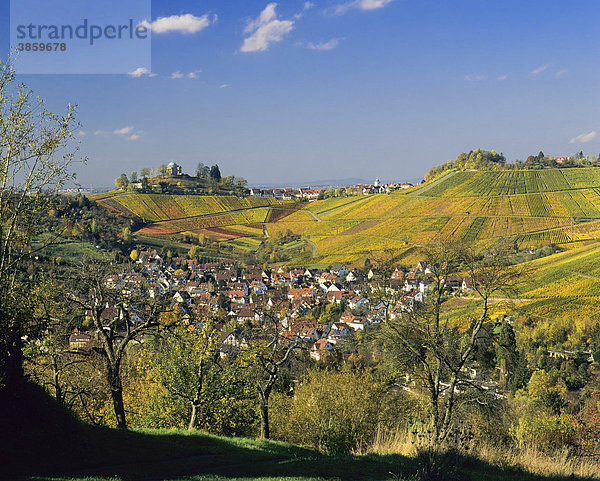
{"points": [[314, 248], [425, 188], [315, 216]]}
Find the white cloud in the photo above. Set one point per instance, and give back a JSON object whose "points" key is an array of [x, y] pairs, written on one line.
{"points": [[140, 72], [329, 45], [186, 23], [267, 15], [126, 132], [360, 5], [179, 74], [224, 86], [583, 138], [474, 78], [539, 70], [502, 77], [305, 8], [264, 30], [560, 73], [82, 133], [123, 131]]}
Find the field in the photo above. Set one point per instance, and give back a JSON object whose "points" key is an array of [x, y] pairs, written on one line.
{"points": [[528, 208], [166, 207], [467, 184], [531, 208], [234, 220]]}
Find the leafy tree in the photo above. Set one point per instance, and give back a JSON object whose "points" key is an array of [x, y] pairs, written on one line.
{"points": [[215, 173], [202, 171], [241, 186], [122, 182], [194, 252], [512, 363], [126, 234], [595, 342], [187, 362], [35, 156], [134, 255], [506, 352], [133, 177], [145, 172]]}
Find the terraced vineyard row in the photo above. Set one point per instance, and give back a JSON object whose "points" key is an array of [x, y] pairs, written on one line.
{"points": [[197, 224], [161, 207], [512, 182]]}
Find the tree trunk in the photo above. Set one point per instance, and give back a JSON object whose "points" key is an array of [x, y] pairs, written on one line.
{"points": [[196, 401], [264, 417], [193, 417], [14, 365], [116, 392], [435, 418], [58, 393], [11, 353], [119, 405]]}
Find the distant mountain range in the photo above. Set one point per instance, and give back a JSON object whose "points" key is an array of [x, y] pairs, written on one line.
{"points": [[332, 183], [325, 183]]}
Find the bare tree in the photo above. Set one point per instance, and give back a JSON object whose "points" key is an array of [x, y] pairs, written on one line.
{"points": [[48, 357], [270, 347], [35, 155], [119, 315], [433, 349]]}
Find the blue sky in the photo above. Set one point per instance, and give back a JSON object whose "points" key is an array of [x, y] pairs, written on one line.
{"points": [[298, 91]]}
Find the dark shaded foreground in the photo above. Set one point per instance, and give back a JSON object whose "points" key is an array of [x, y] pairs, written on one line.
{"points": [[40, 440]]}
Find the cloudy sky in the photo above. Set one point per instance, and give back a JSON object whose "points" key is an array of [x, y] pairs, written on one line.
{"points": [[298, 91]]}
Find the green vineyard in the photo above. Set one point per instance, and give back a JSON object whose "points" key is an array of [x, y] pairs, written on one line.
{"points": [[514, 182]]}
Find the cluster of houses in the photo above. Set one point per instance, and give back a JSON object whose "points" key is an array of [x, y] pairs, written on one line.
{"points": [[290, 193], [240, 296]]}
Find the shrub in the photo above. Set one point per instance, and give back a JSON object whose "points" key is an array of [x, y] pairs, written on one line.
{"points": [[336, 412]]}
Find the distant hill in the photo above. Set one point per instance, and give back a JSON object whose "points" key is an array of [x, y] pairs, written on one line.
{"points": [[324, 183], [529, 208], [218, 217]]}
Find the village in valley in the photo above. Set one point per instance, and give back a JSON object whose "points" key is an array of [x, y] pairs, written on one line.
{"points": [[239, 297]]}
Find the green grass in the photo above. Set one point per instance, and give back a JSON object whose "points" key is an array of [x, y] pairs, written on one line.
{"points": [[69, 249]]}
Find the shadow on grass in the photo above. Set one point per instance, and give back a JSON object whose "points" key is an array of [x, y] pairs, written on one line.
{"points": [[42, 441]]}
